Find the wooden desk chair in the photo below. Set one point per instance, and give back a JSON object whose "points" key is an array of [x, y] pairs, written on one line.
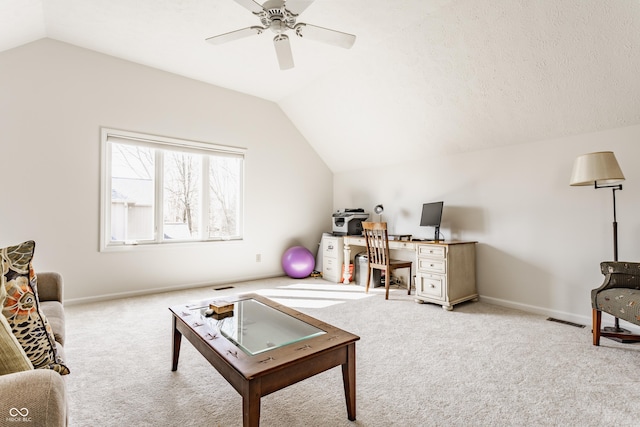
{"points": [[377, 239]]}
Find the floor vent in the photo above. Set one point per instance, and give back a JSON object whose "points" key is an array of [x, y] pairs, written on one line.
{"points": [[564, 322], [223, 288]]}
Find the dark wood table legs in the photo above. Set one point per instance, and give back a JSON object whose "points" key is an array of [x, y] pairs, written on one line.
{"points": [[251, 404], [349, 381], [176, 340]]}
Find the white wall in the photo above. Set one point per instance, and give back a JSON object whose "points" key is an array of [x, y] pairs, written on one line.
{"points": [[54, 98], [540, 240]]}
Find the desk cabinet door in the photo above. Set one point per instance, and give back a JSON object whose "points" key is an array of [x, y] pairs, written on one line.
{"points": [[431, 286]]}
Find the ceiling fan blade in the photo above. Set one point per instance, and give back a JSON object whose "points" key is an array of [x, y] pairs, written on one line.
{"points": [[234, 35], [283, 51], [297, 6], [325, 35], [251, 5]]}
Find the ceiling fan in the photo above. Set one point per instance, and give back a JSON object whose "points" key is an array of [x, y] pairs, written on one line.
{"points": [[281, 16]]}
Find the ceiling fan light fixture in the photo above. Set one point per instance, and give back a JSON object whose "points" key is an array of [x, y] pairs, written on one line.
{"points": [[278, 26], [283, 51]]}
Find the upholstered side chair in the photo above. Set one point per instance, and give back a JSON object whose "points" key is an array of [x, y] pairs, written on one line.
{"points": [[618, 296]]}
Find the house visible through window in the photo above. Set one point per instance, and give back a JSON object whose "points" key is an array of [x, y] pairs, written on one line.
{"points": [[161, 190]]}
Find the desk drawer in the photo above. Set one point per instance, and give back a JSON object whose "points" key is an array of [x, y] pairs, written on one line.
{"points": [[432, 265], [331, 270], [401, 244], [432, 251], [356, 241], [430, 285], [331, 247]]}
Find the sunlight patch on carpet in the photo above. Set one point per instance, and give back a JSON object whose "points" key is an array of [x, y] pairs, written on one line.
{"points": [[297, 293], [301, 295], [325, 287], [305, 303]]}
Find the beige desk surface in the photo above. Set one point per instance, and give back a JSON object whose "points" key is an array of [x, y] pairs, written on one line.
{"points": [[359, 241]]}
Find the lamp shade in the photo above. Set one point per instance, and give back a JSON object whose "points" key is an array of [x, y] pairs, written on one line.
{"points": [[596, 168]]}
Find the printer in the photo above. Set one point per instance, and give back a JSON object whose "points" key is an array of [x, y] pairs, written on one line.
{"points": [[349, 222]]}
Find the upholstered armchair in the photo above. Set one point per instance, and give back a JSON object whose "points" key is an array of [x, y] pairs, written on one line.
{"points": [[618, 296]]}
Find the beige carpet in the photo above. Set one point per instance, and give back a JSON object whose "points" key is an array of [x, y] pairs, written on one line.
{"points": [[417, 365]]}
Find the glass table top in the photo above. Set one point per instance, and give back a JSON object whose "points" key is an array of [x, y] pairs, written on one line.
{"points": [[255, 327]]}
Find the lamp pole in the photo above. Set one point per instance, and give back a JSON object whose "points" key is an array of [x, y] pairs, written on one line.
{"points": [[615, 219], [616, 327], [615, 224]]}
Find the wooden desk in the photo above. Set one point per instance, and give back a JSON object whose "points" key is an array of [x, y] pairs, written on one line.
{"points": [[445, 270]]}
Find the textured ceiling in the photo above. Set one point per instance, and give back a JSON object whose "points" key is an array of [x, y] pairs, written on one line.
{"points": [[424, 78]]}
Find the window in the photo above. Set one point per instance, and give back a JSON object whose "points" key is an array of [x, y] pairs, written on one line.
{"points": [[160, 190]]}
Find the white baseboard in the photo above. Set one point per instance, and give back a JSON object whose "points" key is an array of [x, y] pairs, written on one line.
{"points": [[556, 314], [560, 315], [131, 294]]}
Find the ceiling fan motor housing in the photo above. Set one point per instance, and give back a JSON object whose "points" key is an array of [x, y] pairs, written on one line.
{"points": [[276, 17]]}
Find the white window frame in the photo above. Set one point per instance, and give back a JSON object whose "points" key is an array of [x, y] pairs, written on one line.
{"points": [[108, 136]]}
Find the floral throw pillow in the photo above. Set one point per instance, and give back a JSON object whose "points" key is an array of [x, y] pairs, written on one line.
{"points": [[22, 308], [12, 356]]}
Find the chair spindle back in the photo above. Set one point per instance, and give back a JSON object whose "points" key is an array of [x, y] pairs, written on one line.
{"points": [[377, 241]]}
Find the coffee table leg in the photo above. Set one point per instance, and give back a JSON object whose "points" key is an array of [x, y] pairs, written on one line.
{"points": [[349, 380], [251, 404], [176, 340]]}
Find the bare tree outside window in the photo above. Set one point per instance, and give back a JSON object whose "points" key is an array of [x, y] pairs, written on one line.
{"points": [[224, 186], [182, 192], [132, 192], [132, 161]]}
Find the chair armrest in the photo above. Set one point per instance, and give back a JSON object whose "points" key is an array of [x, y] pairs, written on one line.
{"points": [[617, 275], [40, 391], [50, 286]]}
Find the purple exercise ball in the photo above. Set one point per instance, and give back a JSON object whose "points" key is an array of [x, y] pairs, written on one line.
{"points": [[298, 262]]}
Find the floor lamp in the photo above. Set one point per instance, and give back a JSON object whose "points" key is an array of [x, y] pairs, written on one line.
{"points": [[601, 170]]}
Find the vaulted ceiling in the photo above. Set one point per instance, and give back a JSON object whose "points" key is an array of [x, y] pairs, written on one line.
{"points": [[424, 78]]}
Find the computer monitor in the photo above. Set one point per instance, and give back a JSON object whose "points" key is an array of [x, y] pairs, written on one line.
{"points": [[431, 217]]}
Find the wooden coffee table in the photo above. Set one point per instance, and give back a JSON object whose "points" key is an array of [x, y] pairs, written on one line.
{"points": [[265, 346]]}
